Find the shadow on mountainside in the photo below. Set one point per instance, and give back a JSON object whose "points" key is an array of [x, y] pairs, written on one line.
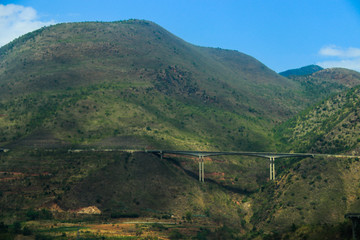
{"points": [[132, 182], [196, 176]]}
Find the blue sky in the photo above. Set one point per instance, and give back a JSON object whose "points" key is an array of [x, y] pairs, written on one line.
{"points": [[283, 34]]}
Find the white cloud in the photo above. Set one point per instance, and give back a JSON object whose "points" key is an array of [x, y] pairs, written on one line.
{"points": [[335, 51], [16, 20], [340, 57], [353, 64]]}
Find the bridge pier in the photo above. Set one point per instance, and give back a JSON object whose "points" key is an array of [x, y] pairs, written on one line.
{"points": [[355, 219], [201, 169], [200, 154], [272, 168]]}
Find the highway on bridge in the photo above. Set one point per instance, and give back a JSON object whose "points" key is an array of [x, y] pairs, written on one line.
{"points": [[270, 155], [201, 154]]}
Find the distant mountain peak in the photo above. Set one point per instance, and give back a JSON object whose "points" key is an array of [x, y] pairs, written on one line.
{"points": [[310, 69]]}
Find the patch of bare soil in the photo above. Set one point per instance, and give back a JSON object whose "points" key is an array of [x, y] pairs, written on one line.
{"points": [[55, 208], [88, 210]]}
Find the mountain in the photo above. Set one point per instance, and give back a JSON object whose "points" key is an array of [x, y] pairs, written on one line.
{"points": [[301, 71], [86, 83], [83, 83], [101, 87], [133, 85]]}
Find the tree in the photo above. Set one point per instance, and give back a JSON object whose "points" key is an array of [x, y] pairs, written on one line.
{"points": [[188, 216]]}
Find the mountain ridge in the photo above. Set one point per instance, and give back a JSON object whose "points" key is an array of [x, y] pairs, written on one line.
{"points": [[310, 69]]}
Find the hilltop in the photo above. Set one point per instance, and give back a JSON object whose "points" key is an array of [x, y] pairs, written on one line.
{"points": [[328, 81], [301, 71]]}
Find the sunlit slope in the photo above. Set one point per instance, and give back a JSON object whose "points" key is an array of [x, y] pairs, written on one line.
{"points": [[325, 82], [86, 82], [330, 127]]}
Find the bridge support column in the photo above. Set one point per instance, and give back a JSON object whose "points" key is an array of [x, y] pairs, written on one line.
{"points": [[200, 172], [355, 230], [355, 219], [201, 169], [272, 168]]}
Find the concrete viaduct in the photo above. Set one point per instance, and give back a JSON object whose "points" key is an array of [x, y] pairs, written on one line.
{"points": [[269, 155], [201, 154]]}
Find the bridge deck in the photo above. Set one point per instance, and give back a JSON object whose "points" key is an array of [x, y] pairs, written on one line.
{"points": [[254, 154]]}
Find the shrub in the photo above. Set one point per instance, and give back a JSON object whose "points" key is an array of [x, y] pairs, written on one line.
{"points": [[27, 231], [31, 214], [176, 235], [44, 214], [42, 237], [3, 227], [203, 234], [167, 216], [188, 216], [17, 227], [158, 226]]}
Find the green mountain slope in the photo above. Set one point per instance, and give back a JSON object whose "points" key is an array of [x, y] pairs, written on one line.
{"points": [[312, 195], [330, 127], [86, 82], [133, 85], [83, 83]]}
